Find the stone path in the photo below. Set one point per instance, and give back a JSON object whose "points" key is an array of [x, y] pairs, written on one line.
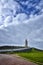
{"points": [[13, 60]]}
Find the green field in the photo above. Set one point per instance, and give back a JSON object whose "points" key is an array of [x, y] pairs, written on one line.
{"points": [[33, 55]]}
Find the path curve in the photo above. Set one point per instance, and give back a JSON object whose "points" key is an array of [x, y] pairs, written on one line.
{"points": [[13, 60]]}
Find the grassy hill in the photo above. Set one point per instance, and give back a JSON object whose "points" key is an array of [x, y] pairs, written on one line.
{"points": [[10, 47], [35, 55]]}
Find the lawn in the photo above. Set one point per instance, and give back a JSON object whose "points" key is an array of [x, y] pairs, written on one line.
{"points": [[33, 55]]}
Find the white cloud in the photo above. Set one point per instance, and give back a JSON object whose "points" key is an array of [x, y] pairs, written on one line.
{"points": [[38, 40], [17, 29], [20, 18]]}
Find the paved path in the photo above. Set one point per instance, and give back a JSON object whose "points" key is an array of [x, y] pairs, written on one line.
{"points": [[13, 60]]}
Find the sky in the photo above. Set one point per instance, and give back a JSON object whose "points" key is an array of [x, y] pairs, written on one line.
{"points": [[20, 20]]}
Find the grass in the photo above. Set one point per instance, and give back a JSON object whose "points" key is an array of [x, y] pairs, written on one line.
{"points": [[33, 55]]}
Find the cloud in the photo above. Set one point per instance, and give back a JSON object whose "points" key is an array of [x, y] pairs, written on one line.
{"points": [[39, 40], [16, 27], [33, 31], [12, 8]]}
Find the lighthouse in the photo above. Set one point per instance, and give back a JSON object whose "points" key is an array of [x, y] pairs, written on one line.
{"points": [[26, 43]]}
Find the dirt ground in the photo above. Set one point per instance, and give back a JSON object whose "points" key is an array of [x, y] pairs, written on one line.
{"points": [[13, 60]]}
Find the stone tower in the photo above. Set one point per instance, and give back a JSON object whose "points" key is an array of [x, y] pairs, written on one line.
{"points": [[26, 43]]}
